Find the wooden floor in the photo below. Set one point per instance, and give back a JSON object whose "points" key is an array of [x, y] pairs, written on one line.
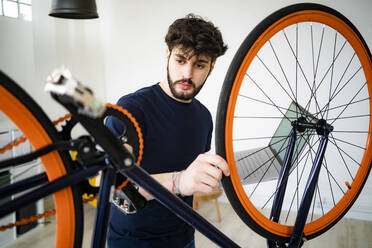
{"points": [[347, 233]]}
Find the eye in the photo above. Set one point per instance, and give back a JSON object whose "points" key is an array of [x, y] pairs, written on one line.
{"points": [[200, 66], [180, 61]]}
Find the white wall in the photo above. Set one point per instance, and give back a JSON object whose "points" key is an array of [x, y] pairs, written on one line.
{"points": [[16, 63], [31, 50], [124, 49]]}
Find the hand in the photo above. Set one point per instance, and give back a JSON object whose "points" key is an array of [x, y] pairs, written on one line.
{"points": [[203, 175]]}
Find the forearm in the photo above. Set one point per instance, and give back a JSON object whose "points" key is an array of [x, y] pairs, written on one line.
{"points": [[202, 175], [165, 179]]}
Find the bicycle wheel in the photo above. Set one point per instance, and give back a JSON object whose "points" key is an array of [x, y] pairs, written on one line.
{"points": [[303, 61], [23, 114]]}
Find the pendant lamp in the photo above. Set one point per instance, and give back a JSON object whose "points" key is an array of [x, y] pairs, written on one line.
{"points": [[74, 9]]}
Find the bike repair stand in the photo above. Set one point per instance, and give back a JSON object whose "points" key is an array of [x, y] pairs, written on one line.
{"points": [[299, 125]]}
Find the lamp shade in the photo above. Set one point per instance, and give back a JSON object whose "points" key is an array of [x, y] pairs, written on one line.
{"points": [[74, 9]]}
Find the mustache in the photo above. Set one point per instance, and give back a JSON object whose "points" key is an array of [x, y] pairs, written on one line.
{"points": [[189, 81]]}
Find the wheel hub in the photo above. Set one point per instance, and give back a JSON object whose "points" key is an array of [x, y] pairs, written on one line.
{"points": [[321, 126]]}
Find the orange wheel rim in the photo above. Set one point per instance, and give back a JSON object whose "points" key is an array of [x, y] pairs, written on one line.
{"points": [[347, 199], [52, 162]]}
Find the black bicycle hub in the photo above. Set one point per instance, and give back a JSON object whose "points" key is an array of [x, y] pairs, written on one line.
{"points": [[321, 126]]}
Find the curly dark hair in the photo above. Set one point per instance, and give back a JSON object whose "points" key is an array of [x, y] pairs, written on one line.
{"points": [[196, 36]]}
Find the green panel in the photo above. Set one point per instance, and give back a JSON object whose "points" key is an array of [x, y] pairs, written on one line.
{"points": [[279, 142]]}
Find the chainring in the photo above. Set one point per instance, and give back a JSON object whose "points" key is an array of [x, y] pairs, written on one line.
{"points": [[132, 135]]}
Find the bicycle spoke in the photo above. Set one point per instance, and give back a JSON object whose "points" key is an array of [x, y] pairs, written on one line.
{"points": [[256, 100], [347, 105], [348, 117], [346, 153], [314, 198], [343, 159], [314, 69], [331, 66], [296, 65], [320, 49], [297, 186], [321, 203], [281, 68], [348, 131], [313, 204], [343, 74], [272, 195], [266, 96], [329, 180], [335, 94], [272, 158], [330, 172], [259, 150], [326, 73], [264, 174], [257, 138], [363, 148], [280, 150], [299, 65], [312, 59], [342, 105], [286, 109], [281, 86], [263, 117], [330, 87], [277, 170], [334, 179], [317, 64]]}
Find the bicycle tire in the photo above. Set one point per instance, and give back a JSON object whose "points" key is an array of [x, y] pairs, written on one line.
{"points": [[27, 115], [249, 50]]}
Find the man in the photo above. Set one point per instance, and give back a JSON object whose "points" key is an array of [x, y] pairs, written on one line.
{"points": [[177, 132]]}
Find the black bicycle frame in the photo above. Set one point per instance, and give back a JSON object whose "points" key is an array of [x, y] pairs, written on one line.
{"points": [[322, 129]]}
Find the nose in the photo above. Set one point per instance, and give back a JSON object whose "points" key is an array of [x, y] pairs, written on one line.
{"points": [[187, 71]]}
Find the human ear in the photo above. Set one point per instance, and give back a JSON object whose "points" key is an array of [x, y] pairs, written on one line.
{"points": [[167, 54], [212, 66]]}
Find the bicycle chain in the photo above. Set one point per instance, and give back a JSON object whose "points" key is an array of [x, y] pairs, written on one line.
{"points": [[22, 139]]}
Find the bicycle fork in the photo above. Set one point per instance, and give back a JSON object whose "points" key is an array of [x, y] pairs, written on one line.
{"points": [[322, 128]]}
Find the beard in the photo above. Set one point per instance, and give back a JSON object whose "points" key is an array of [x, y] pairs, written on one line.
{"points": [[184, 96]]}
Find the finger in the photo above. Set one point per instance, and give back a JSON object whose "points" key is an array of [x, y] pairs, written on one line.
{"points": [[224, 167], [209, 180], [212, 171], [217, 161]]}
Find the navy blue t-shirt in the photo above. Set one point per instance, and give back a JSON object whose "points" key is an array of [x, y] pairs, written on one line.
{"points": [[174, 134]]}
